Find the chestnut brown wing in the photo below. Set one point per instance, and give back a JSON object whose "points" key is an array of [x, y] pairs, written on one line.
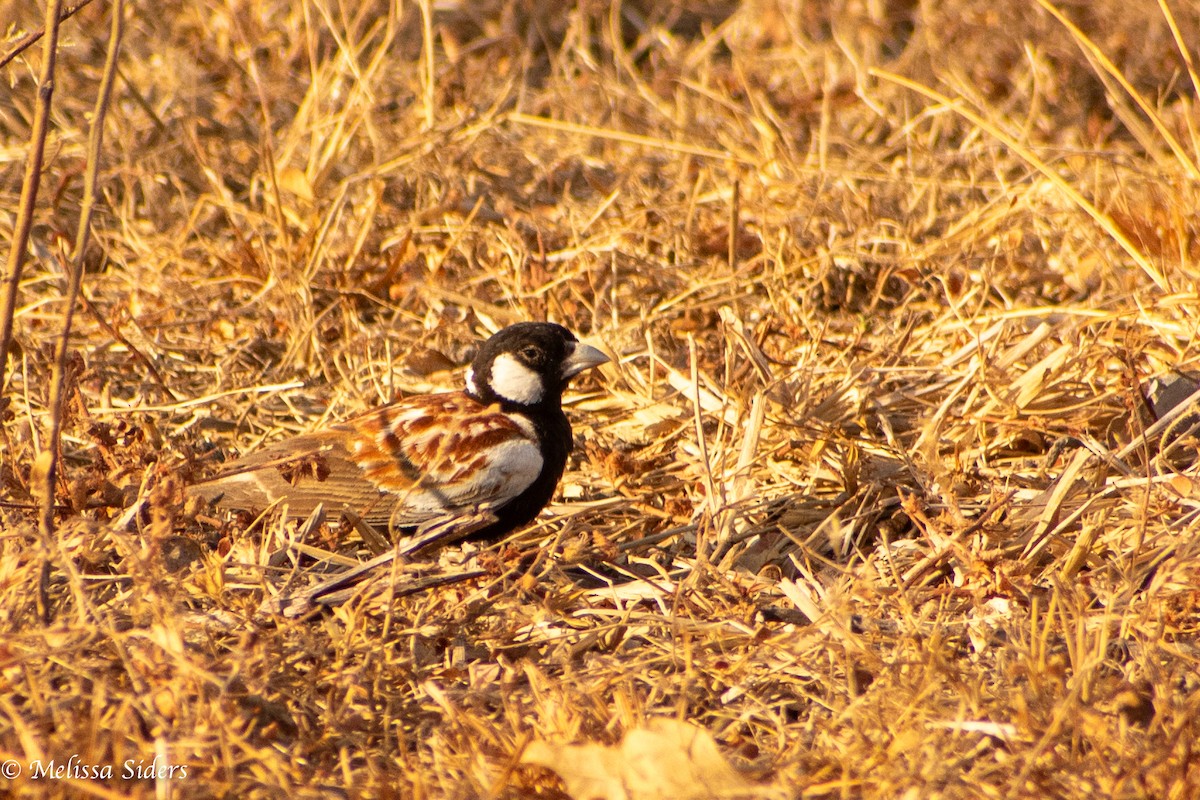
{"points": [[397, 466]]}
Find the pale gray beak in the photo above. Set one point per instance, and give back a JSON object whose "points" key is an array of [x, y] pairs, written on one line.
{"points": [[583, 357]]}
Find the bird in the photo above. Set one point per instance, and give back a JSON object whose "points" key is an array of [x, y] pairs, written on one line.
{"points": [[499, 445]]}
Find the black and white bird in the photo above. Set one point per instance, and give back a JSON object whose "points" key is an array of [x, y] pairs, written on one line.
{"points": [[500, 446]]}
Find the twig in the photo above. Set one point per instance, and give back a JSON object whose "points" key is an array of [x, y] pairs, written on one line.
{"points": [[29, 188], [31, 38], [16, 259], [75, 277]]}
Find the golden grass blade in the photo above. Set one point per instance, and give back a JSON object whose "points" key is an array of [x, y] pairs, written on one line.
{"points": [[1105, 221], [877, 505], [1110, 69], [594, 132], [1184, 51]]}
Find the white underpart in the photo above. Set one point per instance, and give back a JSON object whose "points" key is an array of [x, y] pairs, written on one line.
{"points": [[514, 381], [511, 468], [472, 387]]}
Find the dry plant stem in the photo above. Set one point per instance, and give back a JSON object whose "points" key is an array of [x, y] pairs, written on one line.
{"points": [[31, 38], [29, 189], [710, 485], [428, 72], [268, 155], [925, 304], [1184, 52], [734, 218], [1093, 51], [75, 275], [1099, 217], [651, 142]]}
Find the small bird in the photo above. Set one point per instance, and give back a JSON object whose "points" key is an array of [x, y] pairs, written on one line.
{"points": [[501, 446]]}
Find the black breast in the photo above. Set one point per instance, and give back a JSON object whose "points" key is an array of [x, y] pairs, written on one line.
{"points": [[554, 434]]}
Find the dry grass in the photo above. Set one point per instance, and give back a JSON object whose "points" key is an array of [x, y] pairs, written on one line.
{"points": [[887, 290]]}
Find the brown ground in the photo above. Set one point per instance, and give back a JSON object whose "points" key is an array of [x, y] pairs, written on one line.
{"points": [[888, 290]]}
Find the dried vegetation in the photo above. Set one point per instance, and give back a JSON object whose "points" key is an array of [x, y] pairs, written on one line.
{"points": [[873, 492]]}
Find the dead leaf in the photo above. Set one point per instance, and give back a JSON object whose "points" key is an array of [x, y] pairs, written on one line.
{"points": [[667, 758], [295, 181]]}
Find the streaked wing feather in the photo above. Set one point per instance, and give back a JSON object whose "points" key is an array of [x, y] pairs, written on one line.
{"points": [[396, 466]]}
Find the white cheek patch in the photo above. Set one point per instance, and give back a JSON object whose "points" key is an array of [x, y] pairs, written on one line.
{"points": [[514, 381]]}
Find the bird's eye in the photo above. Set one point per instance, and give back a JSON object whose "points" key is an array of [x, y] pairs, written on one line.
{"points": [[530, 353]]}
